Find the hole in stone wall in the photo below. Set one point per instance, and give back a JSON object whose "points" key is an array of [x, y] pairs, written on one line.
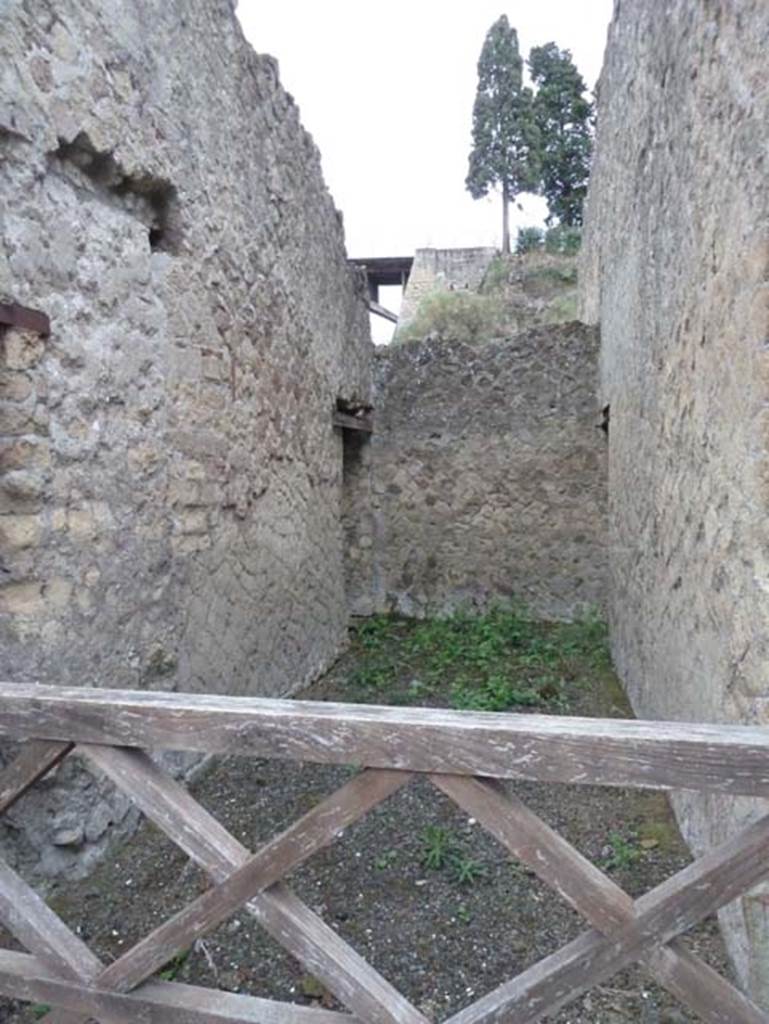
{"points": [[604, 424], [353, 445], [153, 200], [354, 440]]}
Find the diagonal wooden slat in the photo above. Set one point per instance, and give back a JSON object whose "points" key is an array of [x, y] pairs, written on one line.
{"points": [[701, 988], [599, 899], [700, 889], [41, 931], [35, 759], [282, 854], [157, 1002], [36, 926], [324, 953]]}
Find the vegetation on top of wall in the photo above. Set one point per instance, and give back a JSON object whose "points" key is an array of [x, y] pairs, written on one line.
{"points": [[456, 316], [530, 239], [518, 292], [560, 240]]}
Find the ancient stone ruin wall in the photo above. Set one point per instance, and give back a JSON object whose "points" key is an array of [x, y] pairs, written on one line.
{"points": [[171, 478], [676, 263], [439, 270], [485, 478]]}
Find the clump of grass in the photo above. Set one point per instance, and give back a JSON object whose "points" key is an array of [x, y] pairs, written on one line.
{"points": [[438, 845], [622, 852], [442, 850]]}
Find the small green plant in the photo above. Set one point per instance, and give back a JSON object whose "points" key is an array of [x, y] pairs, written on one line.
{"points": [[466, 870], [530, 239], [438, 845], [172, 968], [441, 850], [463, 915], [39, 1010], [371, 633], [623, 852], [496, 693], [386, 860], [372, 676]]}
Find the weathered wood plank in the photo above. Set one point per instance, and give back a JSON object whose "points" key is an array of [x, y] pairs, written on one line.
{"points": [[157, 1002], [701, 988], [343, 971], [37, 927], [662, 914], [282, 854], [598, 898], [35, 759], [27, 916], [661, 755]]}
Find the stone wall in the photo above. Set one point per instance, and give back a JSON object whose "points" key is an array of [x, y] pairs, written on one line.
{"points": [[437, 270], [171, 479], [486, 476], [675, 268]]}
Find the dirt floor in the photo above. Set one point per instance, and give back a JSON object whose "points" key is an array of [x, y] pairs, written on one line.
{"points": [[436, 905]]}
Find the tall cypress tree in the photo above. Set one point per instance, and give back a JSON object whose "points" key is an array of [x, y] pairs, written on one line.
{"points": [[564, 118], [505, 135]]}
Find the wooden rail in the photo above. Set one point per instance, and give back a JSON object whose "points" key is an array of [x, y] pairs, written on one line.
{"points": [[465, 755]]}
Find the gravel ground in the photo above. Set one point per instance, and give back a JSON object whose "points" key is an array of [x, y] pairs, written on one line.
{"points": [[442, 941]]}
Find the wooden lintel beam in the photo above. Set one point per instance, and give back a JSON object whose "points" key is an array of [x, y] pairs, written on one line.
{"points": [[346, 420], [14, 315]]}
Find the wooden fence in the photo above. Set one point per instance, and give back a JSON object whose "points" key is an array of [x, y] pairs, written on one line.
{"points": [[464, 754]]}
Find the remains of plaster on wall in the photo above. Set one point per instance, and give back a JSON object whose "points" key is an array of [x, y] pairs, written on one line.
{"points": [[153, 200]]}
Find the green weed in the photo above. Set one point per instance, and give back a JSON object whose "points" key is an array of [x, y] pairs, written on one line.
{"points": [[496, 693], [386, 860], [467, 870], [172, 968], [438, 845], [441, 850], [624, 852]]}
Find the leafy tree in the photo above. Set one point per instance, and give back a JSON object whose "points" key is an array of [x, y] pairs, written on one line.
{"points": [[505, 136], [564, 118]]}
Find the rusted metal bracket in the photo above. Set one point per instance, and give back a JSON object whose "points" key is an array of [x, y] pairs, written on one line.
{"points": [[14, 315]]}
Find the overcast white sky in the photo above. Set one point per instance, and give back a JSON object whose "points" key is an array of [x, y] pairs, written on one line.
{"points": [[387, 93]]}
